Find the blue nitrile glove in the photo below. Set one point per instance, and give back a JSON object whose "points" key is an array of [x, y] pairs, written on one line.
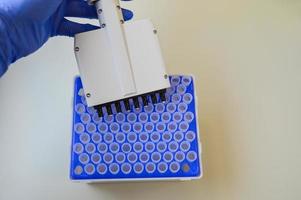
{"points": [[25, 25]]}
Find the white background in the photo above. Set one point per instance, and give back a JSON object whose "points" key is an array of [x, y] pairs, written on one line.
{"points": [[246, 55]]}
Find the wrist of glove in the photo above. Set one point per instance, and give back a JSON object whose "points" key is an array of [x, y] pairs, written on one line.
{"points": [[6, 51]]}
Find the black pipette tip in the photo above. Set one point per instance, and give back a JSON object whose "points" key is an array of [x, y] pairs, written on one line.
{"points": [[109, 109], [154, 98], [118, 107], [99, 111], [127, 105], [145, 100], [162, 96], [136, 102]]}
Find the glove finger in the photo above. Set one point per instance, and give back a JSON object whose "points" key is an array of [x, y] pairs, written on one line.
{"points": [[127, 14], [69, 28], [81, 9]]}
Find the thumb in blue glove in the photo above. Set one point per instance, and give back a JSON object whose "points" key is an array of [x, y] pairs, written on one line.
{"points": [[25, 25]]}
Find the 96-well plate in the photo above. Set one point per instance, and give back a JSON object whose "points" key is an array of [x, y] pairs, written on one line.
{"points": [[153, 143]]}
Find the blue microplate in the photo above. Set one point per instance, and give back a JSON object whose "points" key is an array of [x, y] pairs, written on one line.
{"points": [[155, 142]]}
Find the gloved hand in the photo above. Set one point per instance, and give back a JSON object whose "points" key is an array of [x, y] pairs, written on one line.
{"points": [[25, 25]]}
